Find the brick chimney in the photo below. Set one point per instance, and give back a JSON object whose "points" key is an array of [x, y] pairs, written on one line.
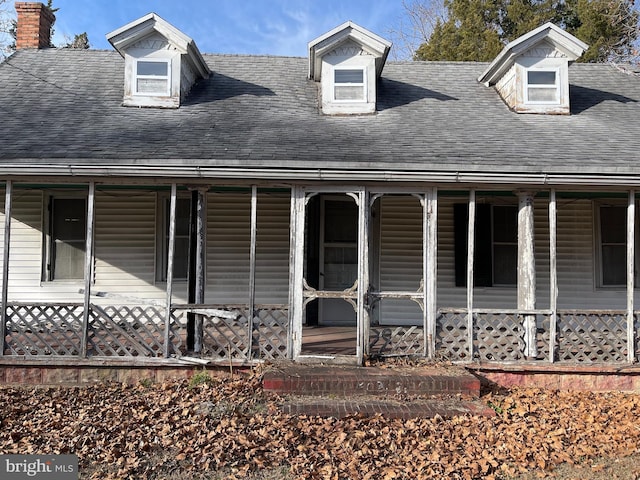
{"points": [[34, 25]]}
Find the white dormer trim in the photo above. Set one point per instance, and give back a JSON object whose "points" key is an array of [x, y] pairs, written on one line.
{"points": [[152, 39], [531, 74], [347, 47], [562, 42]]}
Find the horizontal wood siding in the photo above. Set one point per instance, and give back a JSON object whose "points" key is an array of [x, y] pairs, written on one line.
{"points": [[125, 242], [400, 258], [2, 217], [228, 242], [272, 249]]}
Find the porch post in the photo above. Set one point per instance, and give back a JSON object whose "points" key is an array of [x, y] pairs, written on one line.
{"points": [[430, 259], [296, 271], [8, 195], [527, 271], [553, 275], [470, 254], [631, 215], [170, 257], [197, 252], [364, 211], [252, 268], [88, 268]]}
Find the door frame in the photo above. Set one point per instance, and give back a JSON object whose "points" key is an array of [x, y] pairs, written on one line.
{"points": [[300, 292]]}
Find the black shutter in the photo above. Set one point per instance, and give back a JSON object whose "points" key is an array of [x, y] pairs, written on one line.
{"points": [[483, 261]]}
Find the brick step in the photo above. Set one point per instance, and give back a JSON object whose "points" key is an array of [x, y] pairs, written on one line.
{"points": [[340, 381], [369, 406]]}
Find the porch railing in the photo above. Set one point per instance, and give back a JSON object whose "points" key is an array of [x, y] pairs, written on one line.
{"points": [[593, 336], [53, 329]]}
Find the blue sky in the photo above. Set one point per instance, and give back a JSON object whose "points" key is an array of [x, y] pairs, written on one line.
{"points": [[274, 27]]}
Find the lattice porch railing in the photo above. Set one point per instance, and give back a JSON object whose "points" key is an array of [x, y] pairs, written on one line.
{"points": [[139, 331], [498, 336]]}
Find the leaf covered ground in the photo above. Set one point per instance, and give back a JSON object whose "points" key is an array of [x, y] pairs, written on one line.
{"points": [[199, 428]]}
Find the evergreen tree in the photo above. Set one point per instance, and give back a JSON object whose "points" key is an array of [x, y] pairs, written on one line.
{"points": [[476, 30]]}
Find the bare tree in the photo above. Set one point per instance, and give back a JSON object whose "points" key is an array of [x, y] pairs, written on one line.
{"points": [[626, 54], [415, 25], [7, 25]]}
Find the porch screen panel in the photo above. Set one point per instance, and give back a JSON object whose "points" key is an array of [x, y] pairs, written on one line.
{"points": [[228, 247], [125, 243], [26, 263], [272, 248], [400, 258], [2, 197]]}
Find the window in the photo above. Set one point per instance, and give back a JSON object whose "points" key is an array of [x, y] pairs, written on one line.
{"points": [[496, 245], [542, 86], [349, 85], [67, 238], [152, 77], [181, 253], [612, 245]]}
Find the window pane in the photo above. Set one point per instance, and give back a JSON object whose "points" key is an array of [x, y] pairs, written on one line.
{"points": [[505, 266], [151, 85], [349, 93], [181, 259], [68, 237], [349, 76], [341, 222], [535, 77], [543, 95], [158, 69], [505, 224], [613, 224], [181, 252], [614, 261]]}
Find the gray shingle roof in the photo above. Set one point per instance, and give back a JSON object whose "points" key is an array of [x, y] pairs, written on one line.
{"points": [[63, 107]]}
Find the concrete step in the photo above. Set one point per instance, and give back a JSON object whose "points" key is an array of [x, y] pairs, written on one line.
{"points": [[367, 405], [384, 382]]}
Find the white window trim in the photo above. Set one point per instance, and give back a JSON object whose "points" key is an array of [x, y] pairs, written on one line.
{"points": [[167, 92], [527, 86], [47, 274], [334, 84]]}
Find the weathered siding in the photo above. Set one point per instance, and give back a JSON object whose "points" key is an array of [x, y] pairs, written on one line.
{"points": [[229, 248], [400, 258], [26, 248], [125, 242]]}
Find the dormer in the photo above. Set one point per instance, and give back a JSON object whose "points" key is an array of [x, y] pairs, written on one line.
{"points": [[161, 62], [347, 62], [531, 74]]}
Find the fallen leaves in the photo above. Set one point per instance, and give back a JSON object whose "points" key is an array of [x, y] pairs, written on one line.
{"points": [[143, 431]]}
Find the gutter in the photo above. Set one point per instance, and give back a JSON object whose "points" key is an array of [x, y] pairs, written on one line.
{"points": [[328, 174]]}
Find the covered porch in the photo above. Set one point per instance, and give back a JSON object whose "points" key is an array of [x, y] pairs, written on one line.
{"points": [[324, 274]]}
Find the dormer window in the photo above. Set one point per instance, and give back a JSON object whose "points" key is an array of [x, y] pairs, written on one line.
{"points": [[161, 62], [531, 74], [347, 62], [542, 86], [349, 85], [153, 77]]}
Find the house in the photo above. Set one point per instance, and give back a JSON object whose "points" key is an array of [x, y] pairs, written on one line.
{"points": [[159, 203]]}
